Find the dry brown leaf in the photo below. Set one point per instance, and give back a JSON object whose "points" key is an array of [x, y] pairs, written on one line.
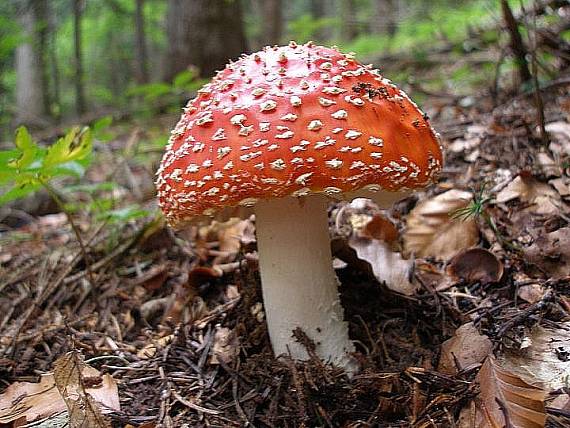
{"points": [[560, 135], [26, 401], [542, 198], [531, 293], [226, 346], [546, 362], [382, 229], [549, 167], [387, 265], [466, 347], [504, 393], [561, 402], [562, 186], [551, 253], [229, 235], [432, 231], [150, 349], [475, 265], [72, 386]]}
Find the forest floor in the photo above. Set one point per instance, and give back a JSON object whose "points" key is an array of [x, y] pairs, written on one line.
{"points": [[168, 329]]}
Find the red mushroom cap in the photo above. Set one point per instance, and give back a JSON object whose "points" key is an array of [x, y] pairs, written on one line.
{"points": [[293, 120]]}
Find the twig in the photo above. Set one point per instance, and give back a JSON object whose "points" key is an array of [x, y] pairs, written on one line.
{"points": [[56, 197], [537, 95], [535, 307], [193, 405], [516, 42]]}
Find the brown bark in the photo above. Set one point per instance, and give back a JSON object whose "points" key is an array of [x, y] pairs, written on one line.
{"points": [[272, 21], [317, 12], [30, 82], [385, 17], [55, 93], [141, 72], [517, 46], [349, 26], [80, 107], [204, 33]]}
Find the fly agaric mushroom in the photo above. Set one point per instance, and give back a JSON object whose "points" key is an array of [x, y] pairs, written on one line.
{"points": [[282, 131]]}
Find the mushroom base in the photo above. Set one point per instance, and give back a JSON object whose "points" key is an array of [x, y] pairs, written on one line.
{"points": [[300, 288]]}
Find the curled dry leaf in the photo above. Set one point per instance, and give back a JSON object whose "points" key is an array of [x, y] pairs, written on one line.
{"points": [[560, 134], [466, 347], [387, 266], [551, 253], [26, 402], [71, 383], [374, 243], [531, 293], [229, 235], [548, 166], [504, 395], [475, 265], [542, 198], [546, 362], [432, 230], [381, 229]]}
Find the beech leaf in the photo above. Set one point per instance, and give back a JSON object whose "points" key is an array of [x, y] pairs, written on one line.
{"points": [[433, 231], [546, 362], [505, 395]]}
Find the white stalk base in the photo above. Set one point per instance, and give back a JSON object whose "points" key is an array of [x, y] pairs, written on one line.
{"points": [[300, 288]]}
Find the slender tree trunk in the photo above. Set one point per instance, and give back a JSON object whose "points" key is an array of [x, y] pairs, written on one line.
{"points": [[53, 65], [42, 29], [77, 6], [141, 57], [204, 33], [349, 27], [318, 11], [517, 45], [30, 87], [272, 21], [385, 17]]}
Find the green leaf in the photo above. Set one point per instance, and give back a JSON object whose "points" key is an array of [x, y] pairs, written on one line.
{"points": [[19, 191], [100, 126], [152, 91], [26, 147], [184, 78], [77, 144], [7, 173], [92, 188], [123, 214], [72, 168], [102, 123]]}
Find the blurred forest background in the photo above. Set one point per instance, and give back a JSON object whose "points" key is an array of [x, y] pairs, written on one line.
{"points": [[88, 264], [64, 59]]}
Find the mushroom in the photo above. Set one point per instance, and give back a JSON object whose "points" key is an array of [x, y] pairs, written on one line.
{"points": [[282, 132]]}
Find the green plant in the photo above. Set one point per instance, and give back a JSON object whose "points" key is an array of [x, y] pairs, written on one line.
{"points": [[29, 167], [183, 83], [477, 208]]}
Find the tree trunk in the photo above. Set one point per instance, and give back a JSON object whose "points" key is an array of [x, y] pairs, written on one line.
{"points": [[203, 33], [77, 7], [517, 46], [30, 104], [272, 21], [385, 17], [43, 40], [317, 12], [349, 26], [141, 72], [55, 94]]}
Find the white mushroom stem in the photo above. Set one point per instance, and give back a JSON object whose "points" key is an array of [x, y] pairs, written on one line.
{"points": [[300, 288]]}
